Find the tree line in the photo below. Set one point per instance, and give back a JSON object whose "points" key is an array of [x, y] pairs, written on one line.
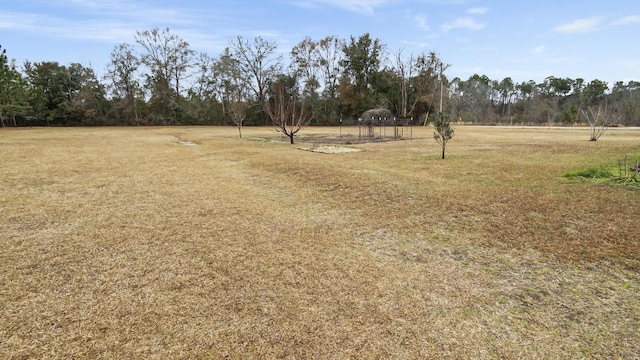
{"points": [[161, 80], [555, 101]]}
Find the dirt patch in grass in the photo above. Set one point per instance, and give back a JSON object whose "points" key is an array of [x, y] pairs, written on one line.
{"points": [[331, 149], [119, 244]]}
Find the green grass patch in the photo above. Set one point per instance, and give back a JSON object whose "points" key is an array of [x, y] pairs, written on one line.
{"points": [[592, 173], [618, 174]]}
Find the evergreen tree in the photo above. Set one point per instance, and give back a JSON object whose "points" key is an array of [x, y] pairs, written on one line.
{"points": [[13, 93]]}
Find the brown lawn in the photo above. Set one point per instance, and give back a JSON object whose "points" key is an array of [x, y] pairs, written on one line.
{"points": [[191, 243]]}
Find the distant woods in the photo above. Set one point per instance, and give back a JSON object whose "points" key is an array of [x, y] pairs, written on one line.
{"points": [[161, 80]]}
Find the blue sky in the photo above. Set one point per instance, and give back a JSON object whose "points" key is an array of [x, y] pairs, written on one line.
{"points": [[524, 40]]}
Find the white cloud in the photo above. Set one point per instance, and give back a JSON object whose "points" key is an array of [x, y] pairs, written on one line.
{"points": [[579, 26], [110, 29], [422, 22], [478, 11], [539, 50], [366, 7], [463, 23], [628, 20], [19, 21]]}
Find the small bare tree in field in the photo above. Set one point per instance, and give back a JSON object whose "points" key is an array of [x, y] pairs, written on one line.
{"points": [[237, 108], [599, 119], [233, 89], [288, 113]]}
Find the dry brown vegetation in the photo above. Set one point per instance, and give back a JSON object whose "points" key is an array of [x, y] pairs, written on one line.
{"points": [[191, 243]]}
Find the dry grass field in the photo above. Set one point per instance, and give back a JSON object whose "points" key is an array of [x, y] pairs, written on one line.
{"points": [[188, 243]]}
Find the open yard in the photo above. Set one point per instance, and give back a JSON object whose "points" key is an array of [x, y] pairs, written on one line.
{"points": [[188, 242]]}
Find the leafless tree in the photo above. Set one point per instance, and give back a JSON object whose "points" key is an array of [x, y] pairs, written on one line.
{"points": [[121, 71], [329, 56], [417, 77], [317, 64], [167, 55], [600, 118], [424, 72], [304, 63], [404, 68], [288, 113], [233, 88], [258, 62], [204, 89]]}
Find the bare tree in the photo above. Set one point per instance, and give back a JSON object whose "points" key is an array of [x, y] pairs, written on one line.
{"points": [[305, 65], [234, 90], [329, 56], [204, 89], [237, 107], [404, 69], [169, 60], [428, 69], [258, 63], [288, 113], [417, 77], [599, 119], [318, 66], [167, 55], [121, 71], [627, 100]]}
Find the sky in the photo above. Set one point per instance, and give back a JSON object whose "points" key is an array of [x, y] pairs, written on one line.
{"points": [[521, 39]]}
